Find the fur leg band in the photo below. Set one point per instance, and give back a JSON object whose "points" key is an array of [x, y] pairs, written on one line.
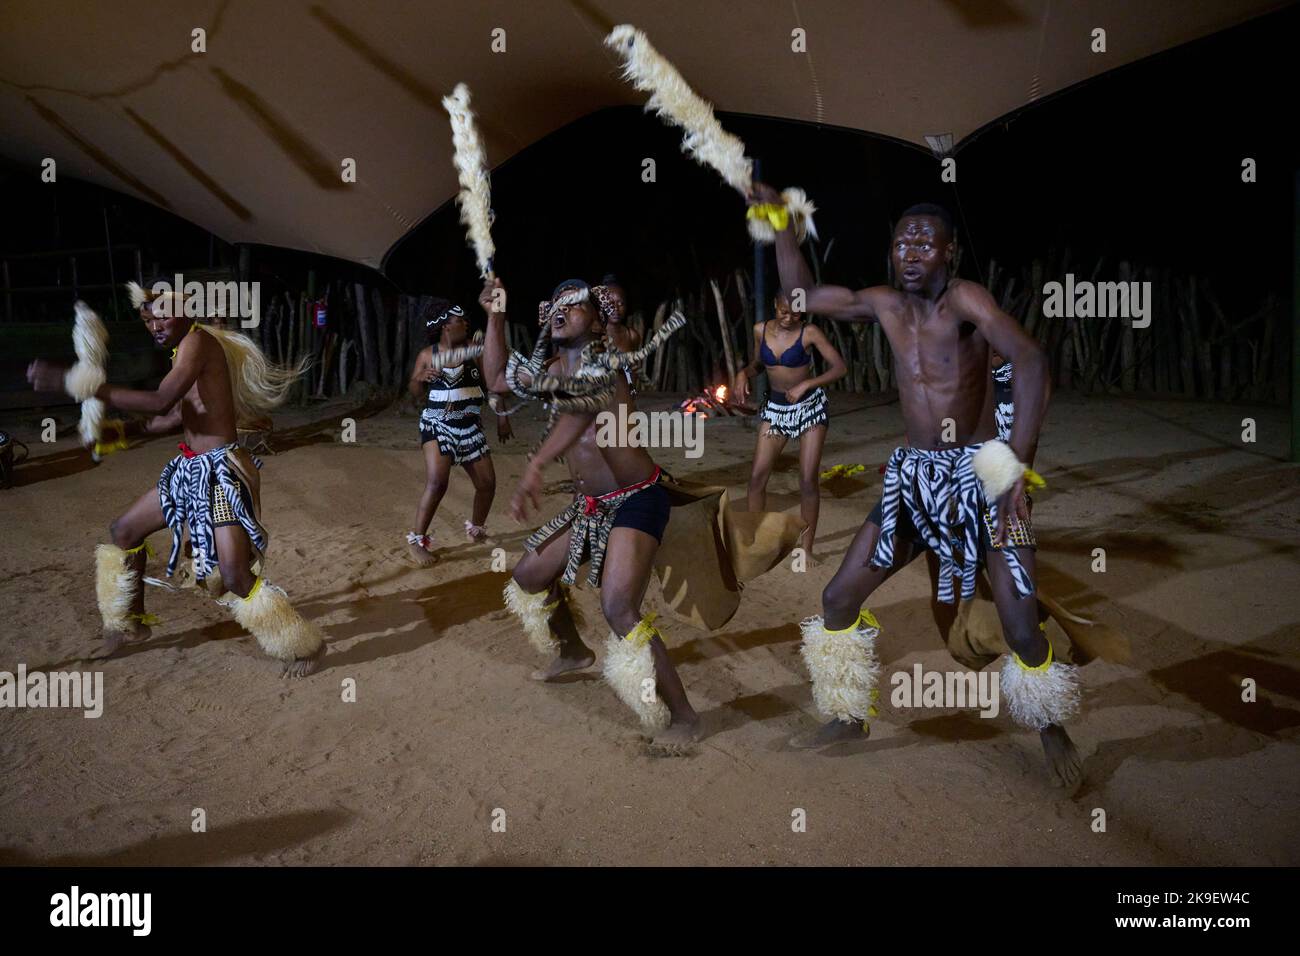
{"points": [[843, 666], [116, 583], [630, 669], [1039, 696], [281, 631], [535, 616]]}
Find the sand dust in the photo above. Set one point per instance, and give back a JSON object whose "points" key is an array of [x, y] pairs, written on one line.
{"points": [[448, 734]]}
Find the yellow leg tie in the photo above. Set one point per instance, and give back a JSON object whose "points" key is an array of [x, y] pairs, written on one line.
{"points": [[145, 546], [148, 620], [864, 617], [1047, 662], [644, 631]]}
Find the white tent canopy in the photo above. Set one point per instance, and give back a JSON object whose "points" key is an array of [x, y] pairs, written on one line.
{"points": [[249, 138]]}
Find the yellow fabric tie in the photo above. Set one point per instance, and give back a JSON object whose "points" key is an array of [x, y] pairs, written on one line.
{"points": [[1040, 667], [254, 589], [1033, 480], [149, 620], [778, 216], [842, 471], [144, 546], [864, 617], [644, 630]]}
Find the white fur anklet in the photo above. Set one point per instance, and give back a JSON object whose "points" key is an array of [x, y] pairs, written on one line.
{"points": [[843, 667], [535, 616], [1039, 696], [115, 586], [281, 631], [630, 669], [475, 532]]}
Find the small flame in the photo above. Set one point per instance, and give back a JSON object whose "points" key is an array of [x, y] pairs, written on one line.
{"points": [[720, 393]]}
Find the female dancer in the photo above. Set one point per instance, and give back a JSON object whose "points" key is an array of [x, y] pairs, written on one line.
{"points": [[451, 425], [795, 406]]}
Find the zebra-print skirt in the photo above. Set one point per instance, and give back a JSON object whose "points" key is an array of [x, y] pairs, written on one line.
{"points": [[185, 494], [790, 420], [940, 495], [460, 439]]}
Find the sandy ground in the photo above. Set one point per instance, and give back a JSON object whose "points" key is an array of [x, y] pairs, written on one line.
{"points": [[1200, 534]]}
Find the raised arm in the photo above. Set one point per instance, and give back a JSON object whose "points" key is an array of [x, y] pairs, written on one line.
{"points": [[833, 301], [495, 350]]}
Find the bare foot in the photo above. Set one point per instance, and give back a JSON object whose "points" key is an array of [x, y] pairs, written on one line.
{"points": [[677, 741], [423, 557], [303, 665], [1064, 765], [114, 639], [833, 732], [565, 664]]}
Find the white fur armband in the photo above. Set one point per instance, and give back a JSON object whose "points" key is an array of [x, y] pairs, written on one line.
{"points": [[800, 209], [997, 468]]}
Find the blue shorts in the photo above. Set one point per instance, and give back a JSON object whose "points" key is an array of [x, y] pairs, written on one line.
{"points": [[647, 511]]}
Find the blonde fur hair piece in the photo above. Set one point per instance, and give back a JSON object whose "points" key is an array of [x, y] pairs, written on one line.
{"points": [[475, 196], [90, 341], [1039, 698], [997, 468], [115, 585], [534, 614], [258, 384], [844, 669], [281, 631], [672, 98], [630, 670]]}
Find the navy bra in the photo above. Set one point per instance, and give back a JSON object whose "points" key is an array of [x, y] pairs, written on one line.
{"points": [[801, 356]]}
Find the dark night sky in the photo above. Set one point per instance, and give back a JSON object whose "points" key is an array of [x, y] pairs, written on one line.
{"points": [[1143, 163]]}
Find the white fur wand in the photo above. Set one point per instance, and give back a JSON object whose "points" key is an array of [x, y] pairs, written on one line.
{"points": [[475, 196], [705, 139], [90, 340]]}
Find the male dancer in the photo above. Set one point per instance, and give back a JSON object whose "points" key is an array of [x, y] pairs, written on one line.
{"points": [[211, 488], [451, 425], [622, 336], [955, 489], [617, 519]]}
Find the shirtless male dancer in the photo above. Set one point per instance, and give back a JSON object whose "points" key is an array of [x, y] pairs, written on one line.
{"points": [[616, 520], [211, 488], [955, 489]]}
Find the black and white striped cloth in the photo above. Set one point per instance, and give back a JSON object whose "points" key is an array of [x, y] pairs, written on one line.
{"points": [[943, 499], [1004, 408], [453, 414], [786, 419], [185, 493]]}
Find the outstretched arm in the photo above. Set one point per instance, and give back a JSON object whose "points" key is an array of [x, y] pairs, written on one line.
{"points": [[833, 301], [495, 350]]}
